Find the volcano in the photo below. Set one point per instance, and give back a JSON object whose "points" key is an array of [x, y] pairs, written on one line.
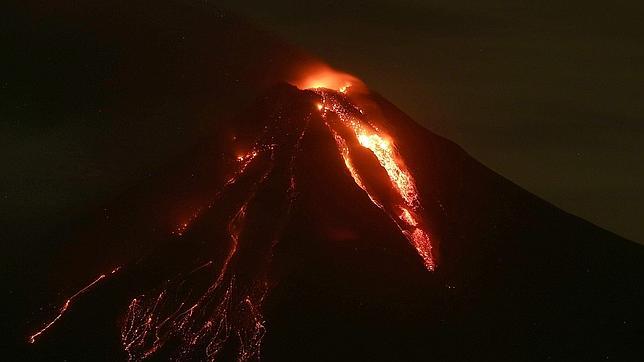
{"points": [[336, 227], [318, 222]]}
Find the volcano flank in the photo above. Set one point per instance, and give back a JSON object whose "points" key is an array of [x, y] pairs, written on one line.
{"points": [[318, 222], [298, 249]]}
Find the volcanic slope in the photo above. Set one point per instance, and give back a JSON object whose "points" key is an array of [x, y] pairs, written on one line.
{"points": [[329, 225]]}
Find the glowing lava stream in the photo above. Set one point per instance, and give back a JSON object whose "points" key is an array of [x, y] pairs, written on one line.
{"points": [[220, 303], [230, 305], [68, 303], [383, 148], [151, 322]]}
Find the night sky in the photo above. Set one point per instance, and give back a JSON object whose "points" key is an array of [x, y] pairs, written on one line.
{"points": [[548, 94]]}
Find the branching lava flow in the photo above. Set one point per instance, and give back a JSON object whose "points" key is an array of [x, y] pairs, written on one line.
{"points": [[200, 318]]}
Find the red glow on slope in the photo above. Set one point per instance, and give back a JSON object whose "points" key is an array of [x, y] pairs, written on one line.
{"points": [[226, 304], [401, 179], [407, 217], [369, 136], [323, 76], [230, 306], [244, 160]]}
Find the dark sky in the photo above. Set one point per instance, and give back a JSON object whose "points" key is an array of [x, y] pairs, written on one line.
{"points": [[548, 94]]}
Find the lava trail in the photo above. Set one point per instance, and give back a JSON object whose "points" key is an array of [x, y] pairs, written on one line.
{"points": [[68, 303], [340, 116], [204, 319], [215, 309]]}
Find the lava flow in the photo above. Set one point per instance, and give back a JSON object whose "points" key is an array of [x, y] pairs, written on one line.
{"points": [[200, 317], [68, 303], [218, 303], [338, 112]]}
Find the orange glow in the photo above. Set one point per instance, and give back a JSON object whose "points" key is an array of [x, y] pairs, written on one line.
{"points": [[344, 152], [323, 76], [423, 246], [406, 216], [247, 156], [189, 314], [384, 149], [152, 321]]}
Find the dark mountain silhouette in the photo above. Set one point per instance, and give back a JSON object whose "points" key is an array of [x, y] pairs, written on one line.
{"points": [[315, 224], [318, 271]]}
